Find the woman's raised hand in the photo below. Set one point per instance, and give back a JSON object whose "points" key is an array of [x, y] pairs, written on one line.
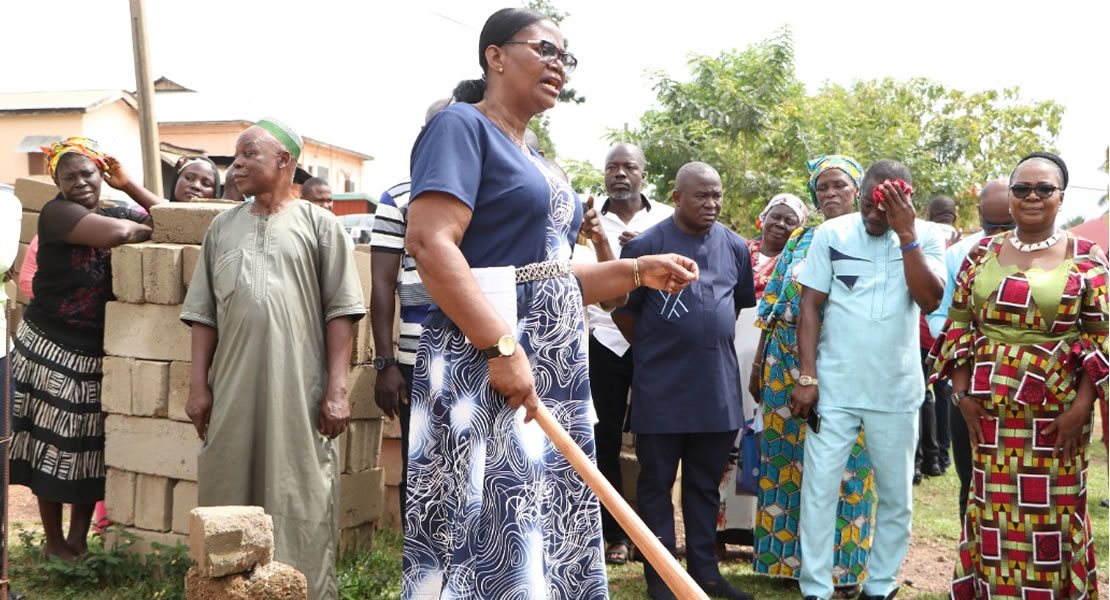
{"points": [[115, 175]]}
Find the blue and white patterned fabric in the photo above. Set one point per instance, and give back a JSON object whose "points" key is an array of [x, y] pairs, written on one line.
{"points": [[494, 509]]}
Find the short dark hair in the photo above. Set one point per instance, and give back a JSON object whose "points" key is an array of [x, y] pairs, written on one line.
{"points": [[500, 27], [884, 169], [312, 182], [1049, 158]]}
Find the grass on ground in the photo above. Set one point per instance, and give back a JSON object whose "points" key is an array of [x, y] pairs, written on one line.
{"points": [[376, 573]]}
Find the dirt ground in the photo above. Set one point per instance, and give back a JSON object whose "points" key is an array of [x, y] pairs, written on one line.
{"points": [[23, 507]]}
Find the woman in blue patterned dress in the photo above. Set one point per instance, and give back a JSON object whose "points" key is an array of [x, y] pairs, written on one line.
{"points": [[494, 510], [834, 187]]}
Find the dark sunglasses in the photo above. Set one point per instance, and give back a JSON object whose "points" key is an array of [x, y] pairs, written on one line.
{"points": [[997, 226], [549, 52], [1044, 190]]}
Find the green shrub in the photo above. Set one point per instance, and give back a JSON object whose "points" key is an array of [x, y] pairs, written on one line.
{"points": [[160, 575]]}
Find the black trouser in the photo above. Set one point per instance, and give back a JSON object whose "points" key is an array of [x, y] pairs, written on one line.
{"points": [[942, 394], [405, 411], [610, 380], [703, 457], [961, 455], [927, 451]]}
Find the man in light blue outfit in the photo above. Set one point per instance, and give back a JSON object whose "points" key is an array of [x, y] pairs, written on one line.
{"points": [[873, 274], [994, 218]]}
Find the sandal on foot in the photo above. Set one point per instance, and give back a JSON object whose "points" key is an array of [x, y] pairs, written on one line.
{"points": [[617, 554]]}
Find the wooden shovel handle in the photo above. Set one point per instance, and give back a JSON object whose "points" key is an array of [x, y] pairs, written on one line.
{"points": [[677, 579]]}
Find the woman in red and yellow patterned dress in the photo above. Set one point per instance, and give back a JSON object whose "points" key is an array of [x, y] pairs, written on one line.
{"points": [[1025, 346]]}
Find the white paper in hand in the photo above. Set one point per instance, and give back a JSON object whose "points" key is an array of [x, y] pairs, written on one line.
{"points": [[498, 285]]}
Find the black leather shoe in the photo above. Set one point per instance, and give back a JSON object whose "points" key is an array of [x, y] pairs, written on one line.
{"points": [[847, 591], [932, 470], [917, 476], [865, 596], [719, 588]]}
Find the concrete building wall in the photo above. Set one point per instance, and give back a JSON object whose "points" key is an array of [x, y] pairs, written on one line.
{"points": [[340, 166], [213, 138], [219, 138], [116, 127], [13, 128]]}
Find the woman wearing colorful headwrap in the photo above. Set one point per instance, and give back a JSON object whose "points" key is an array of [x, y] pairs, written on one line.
{"points": [[834, 188], [782, 215], [196, 179], [58, 428]]}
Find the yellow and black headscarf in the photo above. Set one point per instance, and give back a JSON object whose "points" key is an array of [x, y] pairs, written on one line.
{"points": [[80, 145]]}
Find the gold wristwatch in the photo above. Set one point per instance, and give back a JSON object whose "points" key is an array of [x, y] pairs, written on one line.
{"points": [[806, 380], [505, 346]]}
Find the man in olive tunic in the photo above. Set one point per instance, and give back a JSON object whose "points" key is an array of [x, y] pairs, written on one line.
{"points": [[272, 306]]}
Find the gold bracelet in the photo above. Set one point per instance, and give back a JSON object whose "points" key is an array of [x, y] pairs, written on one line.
{"points": [[636, 271]]}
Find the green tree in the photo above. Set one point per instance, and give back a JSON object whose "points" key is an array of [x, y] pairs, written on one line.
{"points": [[540, 123], [584, 177], [746, 113], [1076, 220]]}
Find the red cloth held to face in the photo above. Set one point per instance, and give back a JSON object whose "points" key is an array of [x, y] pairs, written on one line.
{"points": [[877, 194]]}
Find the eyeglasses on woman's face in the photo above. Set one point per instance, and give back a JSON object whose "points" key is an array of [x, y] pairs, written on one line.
{"points": [[1044, 190], [549, 53]]}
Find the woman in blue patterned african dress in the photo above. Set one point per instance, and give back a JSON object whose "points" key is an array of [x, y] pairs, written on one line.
{"points": [[493, 509], [834, 187]]}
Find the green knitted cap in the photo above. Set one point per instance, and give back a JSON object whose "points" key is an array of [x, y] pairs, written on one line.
{"points": [[284, 134]]}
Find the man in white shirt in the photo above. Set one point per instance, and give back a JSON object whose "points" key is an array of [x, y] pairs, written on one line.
{"points": [[624, 214]]}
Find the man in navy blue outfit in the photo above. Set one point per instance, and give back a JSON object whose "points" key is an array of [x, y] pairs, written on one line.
{"points": [[686, 387]]}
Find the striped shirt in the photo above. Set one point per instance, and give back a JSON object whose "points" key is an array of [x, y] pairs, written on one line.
{"points": [[390, 223]]}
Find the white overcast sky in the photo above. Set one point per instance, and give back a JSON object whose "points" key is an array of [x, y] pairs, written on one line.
{"points": [[361, 73]]}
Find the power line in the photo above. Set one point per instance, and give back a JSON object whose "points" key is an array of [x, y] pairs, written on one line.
{"points": [[451, 19]]}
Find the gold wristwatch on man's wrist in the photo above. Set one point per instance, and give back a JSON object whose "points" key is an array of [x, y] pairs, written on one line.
{"points": [[806, 380], [505, 346]]}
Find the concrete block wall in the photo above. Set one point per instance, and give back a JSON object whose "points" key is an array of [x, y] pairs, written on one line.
{"points": [[33, 194], [151, 445]]}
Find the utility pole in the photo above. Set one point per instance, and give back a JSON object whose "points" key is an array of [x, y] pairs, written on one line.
{"points": [[144, 86]]}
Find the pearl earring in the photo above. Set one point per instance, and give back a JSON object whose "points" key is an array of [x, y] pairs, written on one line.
{"points": [[500, 69]]}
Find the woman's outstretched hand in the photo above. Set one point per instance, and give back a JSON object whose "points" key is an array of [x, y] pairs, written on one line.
{"points": [[670, 273]]}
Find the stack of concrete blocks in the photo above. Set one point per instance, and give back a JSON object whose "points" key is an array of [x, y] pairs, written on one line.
{"points": [[391, 462], [232, 548], [33, 194], [151, 445]]}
